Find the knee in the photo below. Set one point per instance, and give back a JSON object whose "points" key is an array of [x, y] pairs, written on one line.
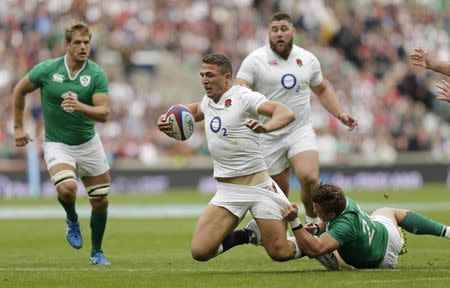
{"points": [[280, 251], [67, 190], [280, 257], [99, 204], [65, 182], [200, 254]]}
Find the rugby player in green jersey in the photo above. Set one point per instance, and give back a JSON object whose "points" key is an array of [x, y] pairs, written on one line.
{"points": [[361, 240], [74, 94]]}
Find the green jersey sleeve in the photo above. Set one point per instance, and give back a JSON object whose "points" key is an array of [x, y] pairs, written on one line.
{"points": [[101, 83], [38, 73]]}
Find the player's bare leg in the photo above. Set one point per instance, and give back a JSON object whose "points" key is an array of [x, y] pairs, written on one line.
{"points": [[306, 168], [212, 228], [273, 236]]}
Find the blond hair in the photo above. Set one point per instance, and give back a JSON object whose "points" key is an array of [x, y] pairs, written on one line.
{"points": [[80, 26]]}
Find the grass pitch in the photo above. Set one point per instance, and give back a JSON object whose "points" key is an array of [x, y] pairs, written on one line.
{"points": [[155, 252]]}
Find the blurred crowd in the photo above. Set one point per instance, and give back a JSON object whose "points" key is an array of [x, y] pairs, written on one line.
{"points": [[151, 51]]}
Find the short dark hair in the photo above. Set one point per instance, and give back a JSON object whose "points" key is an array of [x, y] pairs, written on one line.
{"points": [[80, 26], [330, 197], [278, 16], [219, 60]]}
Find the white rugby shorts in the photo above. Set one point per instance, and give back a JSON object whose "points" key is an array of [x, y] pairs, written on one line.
{"points": [[88, 159], [261, 200], [278, 151], [394, 244]]}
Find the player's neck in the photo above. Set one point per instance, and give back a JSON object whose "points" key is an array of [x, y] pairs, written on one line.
{"points": [[73, 66]]}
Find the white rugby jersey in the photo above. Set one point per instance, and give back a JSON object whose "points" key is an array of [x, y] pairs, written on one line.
{"points": [[235, 148], [285, 81]]}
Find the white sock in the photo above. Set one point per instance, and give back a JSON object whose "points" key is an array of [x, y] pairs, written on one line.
{"points": [[447, 232], [313, 220], [298, 252], [220, 250]]}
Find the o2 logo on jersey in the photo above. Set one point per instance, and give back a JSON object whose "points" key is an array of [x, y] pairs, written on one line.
{"points": [[216, 126], [289, 81]]}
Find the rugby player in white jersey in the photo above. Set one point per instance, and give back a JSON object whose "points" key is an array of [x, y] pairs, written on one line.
{"points": [[286, 73], [243, 182]]}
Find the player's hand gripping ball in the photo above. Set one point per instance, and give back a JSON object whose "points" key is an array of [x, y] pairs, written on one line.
{"points": [[181, 121]]}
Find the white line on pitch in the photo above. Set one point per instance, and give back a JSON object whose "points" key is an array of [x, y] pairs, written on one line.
{"points": [[218, 270], [169, 211]]}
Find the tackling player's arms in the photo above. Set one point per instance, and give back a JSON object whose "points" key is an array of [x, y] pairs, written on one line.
{"points": [[313, 246]]}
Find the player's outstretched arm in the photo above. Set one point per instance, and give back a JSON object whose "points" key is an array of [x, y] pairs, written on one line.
{"points": [[329, 101], [22, 88], [280, 116], [420, 57]]}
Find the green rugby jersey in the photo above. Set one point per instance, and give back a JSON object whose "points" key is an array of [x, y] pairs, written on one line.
{"points": [[53, 79], [363, 242]]}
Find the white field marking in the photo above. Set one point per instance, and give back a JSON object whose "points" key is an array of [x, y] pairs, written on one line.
{"points": [[170, 211], [114, 211], [395, 280], [219, 270]]}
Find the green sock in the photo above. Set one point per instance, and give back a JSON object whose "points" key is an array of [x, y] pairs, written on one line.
{"points": [[418, 224], [69, 207], [98, 224]]}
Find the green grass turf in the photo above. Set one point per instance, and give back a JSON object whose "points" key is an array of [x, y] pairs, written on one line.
{"points": [[155, 252]]}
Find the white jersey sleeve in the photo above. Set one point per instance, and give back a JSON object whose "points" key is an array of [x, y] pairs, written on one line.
{"points": [[251, 100], [247, 70]]}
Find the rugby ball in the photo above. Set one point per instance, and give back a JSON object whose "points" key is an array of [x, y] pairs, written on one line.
{"points": [[181, 121]]}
